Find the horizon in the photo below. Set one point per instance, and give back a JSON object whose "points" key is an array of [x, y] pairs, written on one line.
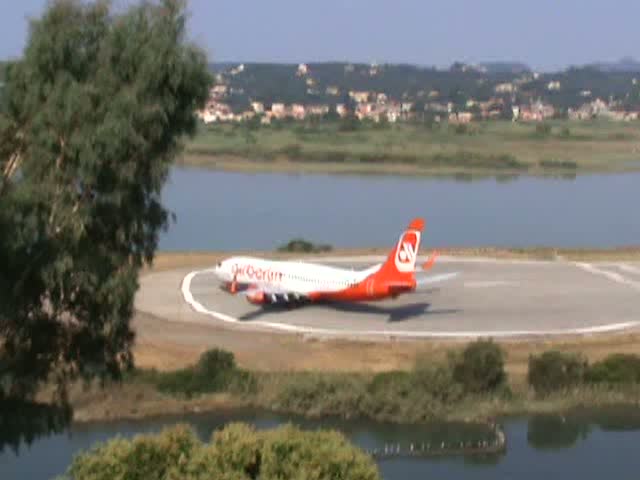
{"points": [[410, 32]]}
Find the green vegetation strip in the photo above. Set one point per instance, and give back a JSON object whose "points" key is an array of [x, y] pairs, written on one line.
{"points": [[471, 384], [558, 147]]}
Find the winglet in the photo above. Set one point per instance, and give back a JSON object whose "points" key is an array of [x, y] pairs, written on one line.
{"points": [[431, 261]]}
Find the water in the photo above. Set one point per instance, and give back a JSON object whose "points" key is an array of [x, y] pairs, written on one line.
{"points": [[589, 445], [227, 211]]}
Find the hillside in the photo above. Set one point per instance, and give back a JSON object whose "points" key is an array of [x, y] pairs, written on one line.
{"points": [[329, 83]]}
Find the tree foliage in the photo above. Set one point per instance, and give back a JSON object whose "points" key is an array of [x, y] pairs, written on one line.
{"points": [[236, 452], [93, 118], [617, 368], [480, 368], [554, 370]]}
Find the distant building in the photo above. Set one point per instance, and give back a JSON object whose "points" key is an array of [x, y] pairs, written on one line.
{"points": [[218, 90], [317, 110], [504, 88], [460, 117], [237, 70], [257, 107], [303, 69], [553, 85], [359, 97], [298, 111], [535, 112], [278, 110], [332, 90]]}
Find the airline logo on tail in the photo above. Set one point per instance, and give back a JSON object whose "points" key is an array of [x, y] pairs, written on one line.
{"points": [[407, 251]]}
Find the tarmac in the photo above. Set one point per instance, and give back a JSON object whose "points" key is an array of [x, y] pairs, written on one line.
{"points": [[490, 298]]}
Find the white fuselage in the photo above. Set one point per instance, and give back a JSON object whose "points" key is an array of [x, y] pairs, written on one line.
{"points": [[289, 276]]}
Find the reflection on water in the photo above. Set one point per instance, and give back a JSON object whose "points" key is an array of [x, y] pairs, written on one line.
{"points": [[232, 211], [556, 431], [22, 423], [565, 431], [587, 444]]}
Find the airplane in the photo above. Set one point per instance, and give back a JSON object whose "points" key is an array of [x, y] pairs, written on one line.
{"points": [[271, 282]]}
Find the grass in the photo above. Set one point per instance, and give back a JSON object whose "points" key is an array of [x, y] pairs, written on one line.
{"points": [[492, 147], [425, 390]]}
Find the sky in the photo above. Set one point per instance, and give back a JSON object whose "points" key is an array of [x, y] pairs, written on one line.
{"points": [[545, 34]]}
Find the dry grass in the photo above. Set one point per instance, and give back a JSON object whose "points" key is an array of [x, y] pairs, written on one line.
{"points": [[284, 352]]}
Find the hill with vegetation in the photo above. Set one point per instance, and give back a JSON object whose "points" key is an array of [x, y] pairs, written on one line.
{"points": [[329, 83]]}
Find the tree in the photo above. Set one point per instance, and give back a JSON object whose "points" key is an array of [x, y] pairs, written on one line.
{"points": [[94, 114], [480, 368], [554, 370], [236, 452]]}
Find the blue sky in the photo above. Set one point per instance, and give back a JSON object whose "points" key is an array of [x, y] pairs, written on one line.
{"points": [[546, 34]]}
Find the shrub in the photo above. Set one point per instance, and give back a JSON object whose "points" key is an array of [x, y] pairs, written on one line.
{"points": [[146, 456], [349, 124], [564, 164], [292, 151], [236, 452], [616, 368], [480, 368], [554, 370], [543, 129], [215, 371], [320, 394], [300, 245]]}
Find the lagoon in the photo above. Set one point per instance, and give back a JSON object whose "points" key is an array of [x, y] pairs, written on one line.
{"points": [[588, 445], [218, 210]]}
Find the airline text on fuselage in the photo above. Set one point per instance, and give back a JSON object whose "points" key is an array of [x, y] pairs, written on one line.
{"points": [[257, 273]]}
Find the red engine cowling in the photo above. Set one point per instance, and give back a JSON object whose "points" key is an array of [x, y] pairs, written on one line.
{"points": [[257, 298]]}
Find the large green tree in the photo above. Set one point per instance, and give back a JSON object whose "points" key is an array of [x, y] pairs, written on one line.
{"points": [[93, 116]]}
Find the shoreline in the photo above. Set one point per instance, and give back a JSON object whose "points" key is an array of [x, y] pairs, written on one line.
{"points": [[239, 164], [473, 409]]}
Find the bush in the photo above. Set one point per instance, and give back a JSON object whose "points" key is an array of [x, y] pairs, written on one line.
{"points": [[480, 368], [236, 452], [146, 456], [215, 371], [292, 151], [563, 164], [320, 394], [350, 123], [554, 370], [300, 245], [618, 368], [543, 129]]}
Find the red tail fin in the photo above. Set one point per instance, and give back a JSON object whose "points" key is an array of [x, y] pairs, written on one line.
{"points": [[401, 261]]}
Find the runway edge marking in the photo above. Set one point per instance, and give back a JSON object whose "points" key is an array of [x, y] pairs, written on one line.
{"points": [[198, 307]]}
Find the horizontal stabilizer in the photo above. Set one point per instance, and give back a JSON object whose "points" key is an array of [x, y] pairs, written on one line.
{"points": [[435, 279]]}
